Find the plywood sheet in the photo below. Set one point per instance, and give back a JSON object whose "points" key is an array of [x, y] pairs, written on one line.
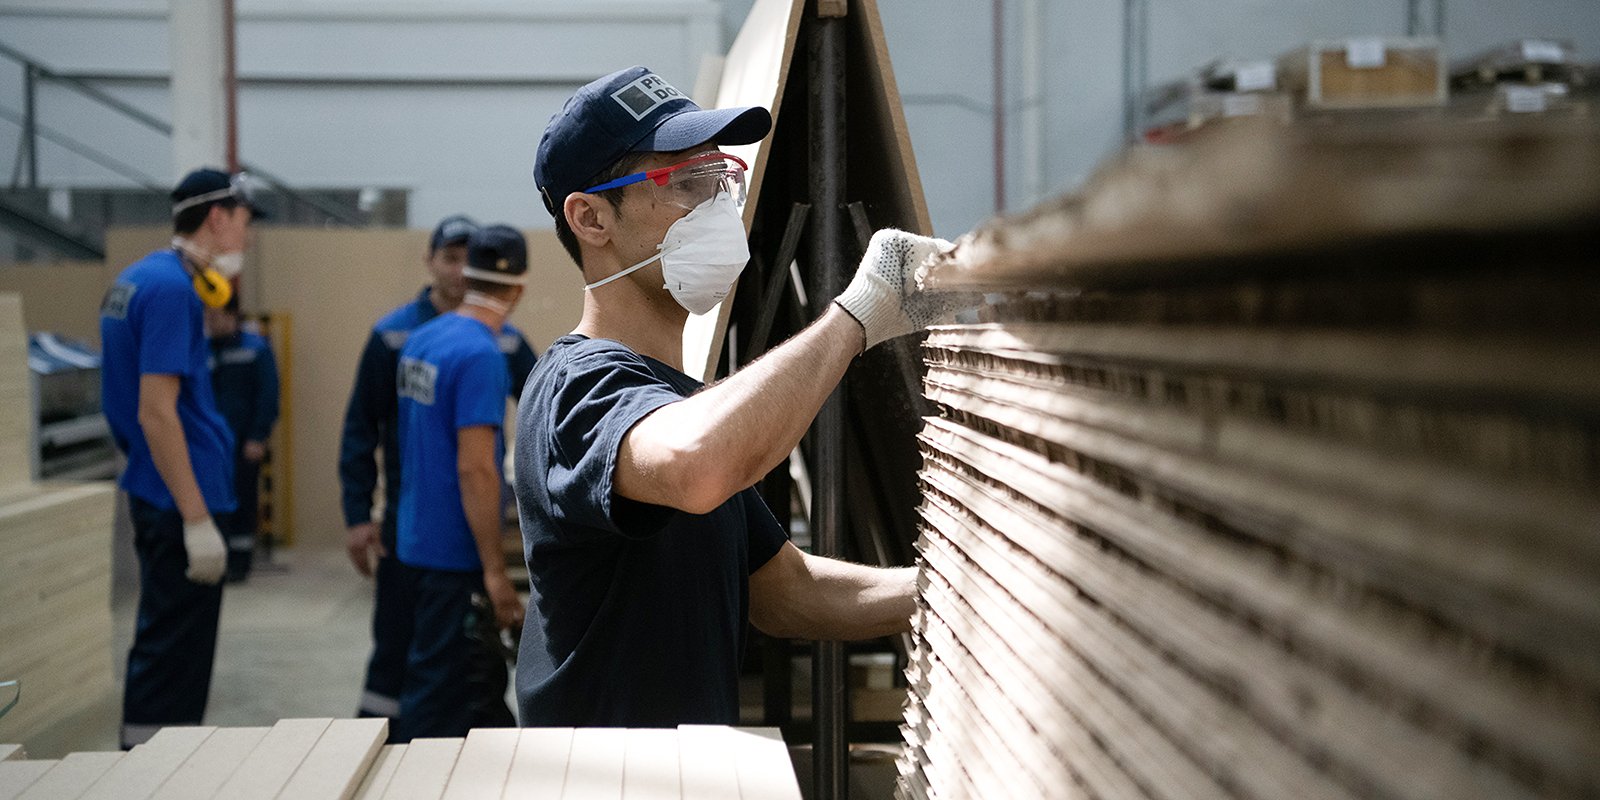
{"points": [[425, 770], [72, 776], [484, 764], [142, 771], [336, 764], [268, 767], [539, 768]]}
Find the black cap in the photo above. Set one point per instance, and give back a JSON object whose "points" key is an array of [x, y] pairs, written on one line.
{"points": [[633, 110], [496, 253], [454, 229], [208, 185]]}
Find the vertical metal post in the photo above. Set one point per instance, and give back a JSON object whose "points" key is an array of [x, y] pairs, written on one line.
{"points": [[827, 178], [30, 122], [230, 79], [999, 47]]}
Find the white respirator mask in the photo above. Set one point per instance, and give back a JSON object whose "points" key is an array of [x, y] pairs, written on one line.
{"points": [[701, 255]]}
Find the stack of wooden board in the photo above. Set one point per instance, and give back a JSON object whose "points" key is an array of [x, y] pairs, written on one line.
{"points": [[1305, 510], [313, 759], [55, 566]]}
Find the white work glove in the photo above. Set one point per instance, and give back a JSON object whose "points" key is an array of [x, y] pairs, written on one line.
{"points": [[884, 296], [208, 554]]}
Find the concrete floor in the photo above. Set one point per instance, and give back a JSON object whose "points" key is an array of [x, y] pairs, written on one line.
{"points": [[292, 643]]}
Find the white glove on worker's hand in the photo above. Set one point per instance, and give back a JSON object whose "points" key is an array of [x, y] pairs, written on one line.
{"points": [[884, 296], [208, 554]]}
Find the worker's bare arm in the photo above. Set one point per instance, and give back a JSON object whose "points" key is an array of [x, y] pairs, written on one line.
{"points": [[169, 449], [694, 454], [797, 595]]}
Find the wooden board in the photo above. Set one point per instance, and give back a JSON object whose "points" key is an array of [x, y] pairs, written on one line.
{"points": [[381, 772], [17, 776], [341, 757], [539, 768], [706, 769], [10, 751], [268, 768], [72, 776], [424, 770], [881, 171], [484, 764], [211, 764], [650, 765], [594, 769], [17, 424], [146, 767]]}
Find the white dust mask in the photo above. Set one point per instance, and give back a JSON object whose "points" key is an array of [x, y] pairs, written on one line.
{"points": [[229, 264], [701, 255]]}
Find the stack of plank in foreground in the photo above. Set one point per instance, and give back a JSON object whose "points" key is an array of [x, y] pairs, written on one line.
{"points": [[322, 759], [55, 565], [1273, 470]]}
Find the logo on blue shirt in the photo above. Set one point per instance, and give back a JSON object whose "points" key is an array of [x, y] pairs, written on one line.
{"points": [[415, 380], [115, 303]]}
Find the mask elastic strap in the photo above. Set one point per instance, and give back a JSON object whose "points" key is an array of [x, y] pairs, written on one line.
{"points": [[635, 268], [482, 300]]}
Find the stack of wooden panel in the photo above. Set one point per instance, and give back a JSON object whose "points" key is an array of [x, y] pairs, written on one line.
{"points": [[322, 759], [55, 566], [1273, 471]]}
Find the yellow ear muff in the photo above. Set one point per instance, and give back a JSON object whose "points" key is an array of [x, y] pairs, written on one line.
{"points": [[214, 290]]}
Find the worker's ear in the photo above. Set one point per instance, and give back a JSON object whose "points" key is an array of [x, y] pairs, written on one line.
{"points": [[590, 217]]}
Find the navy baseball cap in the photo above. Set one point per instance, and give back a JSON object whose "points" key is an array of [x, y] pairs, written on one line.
{"points": [[454, 229], [633, 110], [496, 253], [209, 185]]}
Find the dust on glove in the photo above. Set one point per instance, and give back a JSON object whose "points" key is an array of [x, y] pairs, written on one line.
{"points": [[884, 296]]}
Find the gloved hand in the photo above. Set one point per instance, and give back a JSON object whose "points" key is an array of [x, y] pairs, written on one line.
{"points": [[208, 554], [884, 296]]}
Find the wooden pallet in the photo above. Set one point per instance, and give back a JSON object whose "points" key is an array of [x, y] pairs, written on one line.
{"points": [[307, 759]]}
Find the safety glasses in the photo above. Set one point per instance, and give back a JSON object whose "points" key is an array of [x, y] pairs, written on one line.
{"points": [[241, 187], [691, 182]]}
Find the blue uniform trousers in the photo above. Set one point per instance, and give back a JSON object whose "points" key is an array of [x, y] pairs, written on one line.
{"points": [[175, 640], [393, 610], [453, 684]]}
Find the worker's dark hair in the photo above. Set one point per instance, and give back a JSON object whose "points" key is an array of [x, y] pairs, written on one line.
{"points": [[628, 164], [494, 289], [189, 220]]}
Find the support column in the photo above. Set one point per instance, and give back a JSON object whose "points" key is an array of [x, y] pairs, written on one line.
{"points": [[197, 30]]}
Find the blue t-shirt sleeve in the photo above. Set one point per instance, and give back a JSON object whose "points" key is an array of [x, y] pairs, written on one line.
{"points": [[480, 391], [603, 396], [165, 325]]}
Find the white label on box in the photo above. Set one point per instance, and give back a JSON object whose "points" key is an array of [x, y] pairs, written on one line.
{"points": [[1364, 53], [1524, 99], [1241, 105], [1542, 51], [1256, 76]]}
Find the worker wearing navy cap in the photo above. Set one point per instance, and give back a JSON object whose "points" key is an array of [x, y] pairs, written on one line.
{"points": [[370, 425], [452, 386], [647, 549], [156, 391]]}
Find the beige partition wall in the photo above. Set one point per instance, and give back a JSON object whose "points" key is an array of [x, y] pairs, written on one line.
{"points": [[332, 285]]}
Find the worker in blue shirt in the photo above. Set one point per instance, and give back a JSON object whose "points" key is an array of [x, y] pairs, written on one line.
{"points": [[370, 425], [245, 377], [156, 392], [452, 387]]}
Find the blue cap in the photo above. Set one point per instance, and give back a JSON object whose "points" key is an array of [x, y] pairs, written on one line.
{"points": [[496, 253], [453, 229], [633, 110], [208, 185]]}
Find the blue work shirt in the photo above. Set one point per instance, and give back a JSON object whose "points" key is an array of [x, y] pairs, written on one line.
{"points": [[244, 376], [637, 614], [151, 324], [451, 376], [370, 422]]}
